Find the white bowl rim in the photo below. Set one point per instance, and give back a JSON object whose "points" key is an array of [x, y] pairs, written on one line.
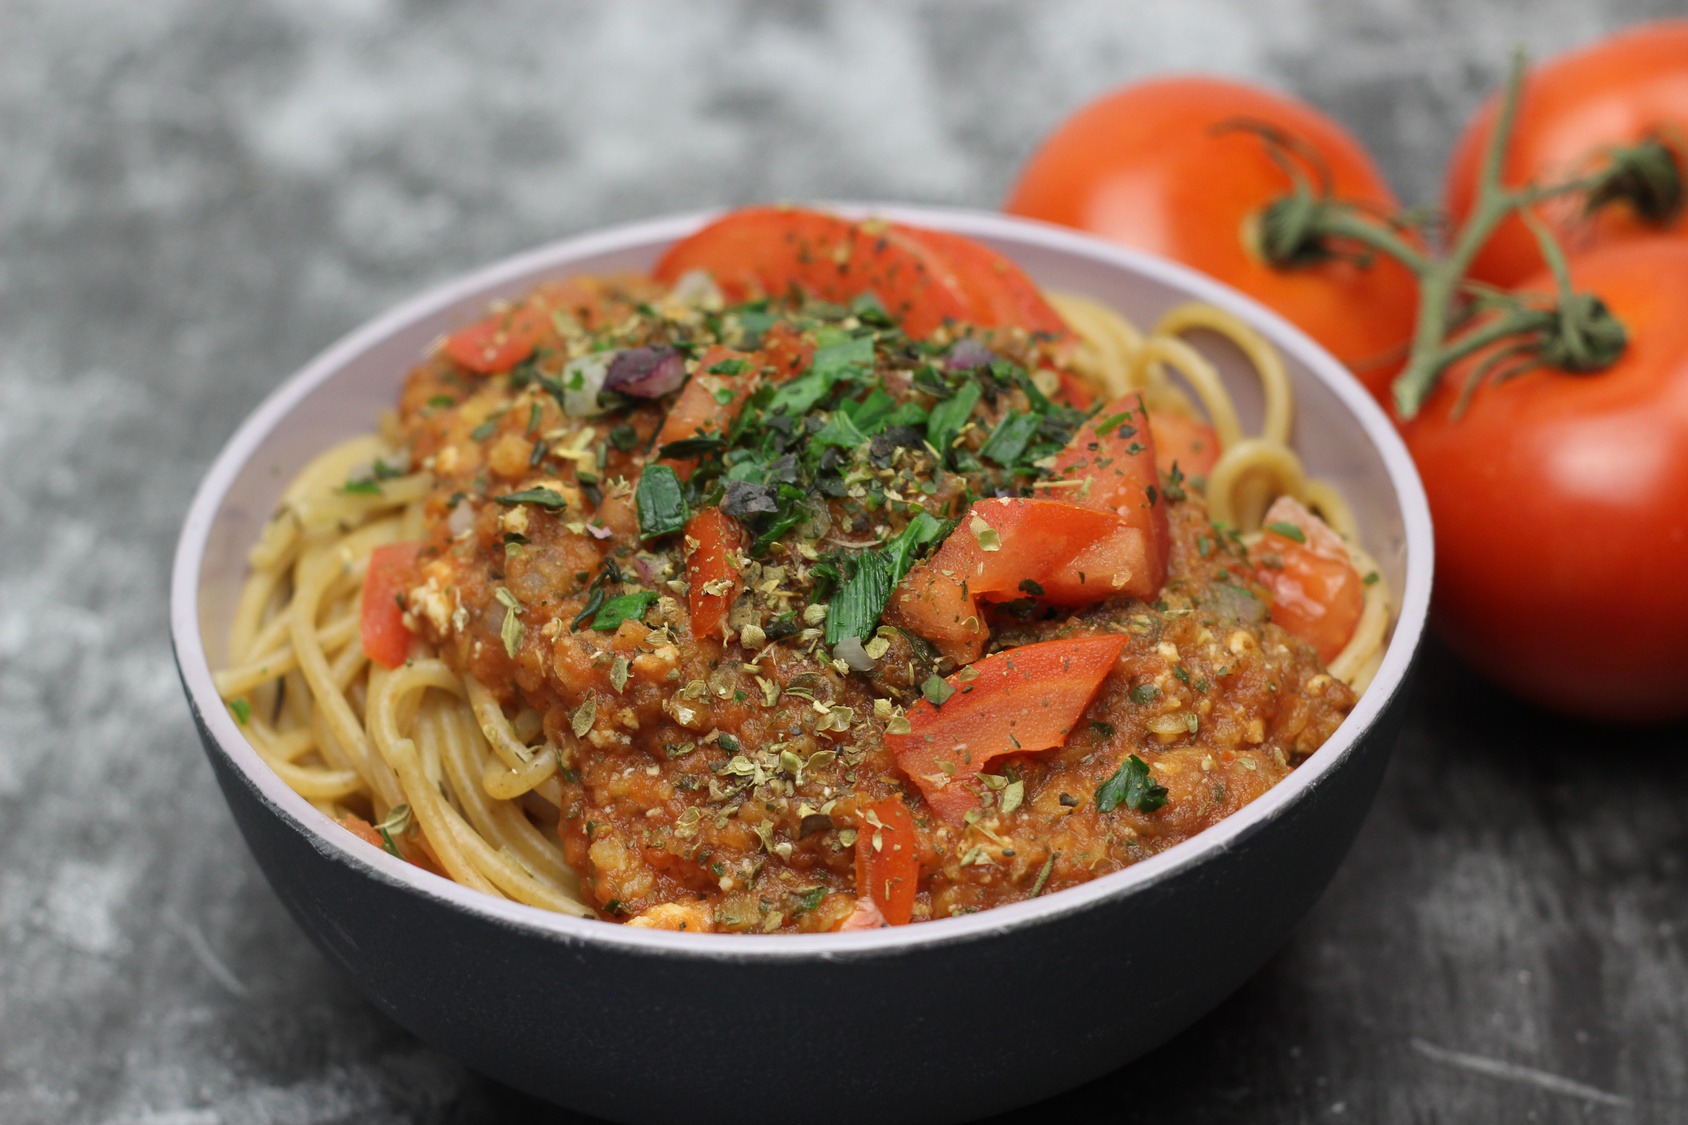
{"points": [[1229, 833]]}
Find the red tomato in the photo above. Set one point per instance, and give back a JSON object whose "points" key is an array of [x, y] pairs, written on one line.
{"points": [[391, 569], [1019, 701], [1185, 442], [1151, 166], [1005, 549], [710, 401], [711, 575], [770, 249], [1630, 87], [1115, 452], [1316, 593], [998, 291], [500, 341], [887, 860], [1561, 507]]}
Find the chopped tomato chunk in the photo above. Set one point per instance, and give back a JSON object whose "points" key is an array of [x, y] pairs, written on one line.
{"points": [[1114, 453], [768, 250], [1186, 442], [1019, 701], [1007, 549], [710, 401], [1316, 593], [887, 860], [712, 538], [500, 341], [362, 829], [391, 570]]}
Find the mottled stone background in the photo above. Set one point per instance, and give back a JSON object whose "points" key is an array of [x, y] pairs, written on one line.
{"points": [[197, 197]]}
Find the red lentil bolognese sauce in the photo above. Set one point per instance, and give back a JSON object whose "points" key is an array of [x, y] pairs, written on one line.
{"points": [[830, 592]]}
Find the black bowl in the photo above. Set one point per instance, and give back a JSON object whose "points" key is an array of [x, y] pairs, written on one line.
{"points": [[945, 1020]]}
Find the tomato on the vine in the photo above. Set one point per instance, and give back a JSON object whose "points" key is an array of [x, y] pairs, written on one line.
{"points": [[1576, 110], [1182, 167], [1560, 502]]}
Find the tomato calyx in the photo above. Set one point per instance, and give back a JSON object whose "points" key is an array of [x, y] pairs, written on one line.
{"points": [[1311, 225], [1647, 176]]}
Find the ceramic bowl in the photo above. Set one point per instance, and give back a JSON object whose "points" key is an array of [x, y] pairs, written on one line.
{"points": [[945, 1020]]}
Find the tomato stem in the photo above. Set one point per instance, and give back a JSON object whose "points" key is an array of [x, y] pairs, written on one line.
{"points": [[1576, 332]]}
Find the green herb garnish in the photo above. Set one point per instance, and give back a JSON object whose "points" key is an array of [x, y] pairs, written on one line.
{"points": [[622, 607], [661, 502], [936, 690], [1133, 786]]}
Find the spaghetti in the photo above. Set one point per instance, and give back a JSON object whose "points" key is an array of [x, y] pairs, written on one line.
{"points": [[430, 763]]}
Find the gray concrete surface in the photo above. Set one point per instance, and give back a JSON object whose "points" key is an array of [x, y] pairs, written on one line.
{"points": [[195, 197]]}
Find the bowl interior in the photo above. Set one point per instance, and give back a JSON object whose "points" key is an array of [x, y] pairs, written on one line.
{"points": [[1339, 433]]}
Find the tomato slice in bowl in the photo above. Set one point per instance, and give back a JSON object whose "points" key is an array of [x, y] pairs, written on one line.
{"points": [[768, 250]]}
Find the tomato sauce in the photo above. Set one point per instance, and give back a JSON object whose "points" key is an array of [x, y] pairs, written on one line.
{"points": [[722, 780]]}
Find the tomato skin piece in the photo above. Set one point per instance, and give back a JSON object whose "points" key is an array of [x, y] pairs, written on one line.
{"points": [[1316, 593], [999, 292], [500, 341], [697, 411], [1560, 503], [391, 567], [1629, 87], [362, 829], [1019, 701], [890, 876], [1041, 541], [718, 537], [1145, 166], [1185, 442], [1124, 478], [770, 249]]}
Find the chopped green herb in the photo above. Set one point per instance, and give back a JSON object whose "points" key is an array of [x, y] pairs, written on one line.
{"points": [[1372, 577], [1144, 694], [936, 691], [1007, 444], [1106, 730], [485, 430], [242, 710], [624, 438], [809, 900], [1027, 586], [729, 367], [539, 497], [622, 607], [441, 402], [1132, 785], [662, 504], [1043, 874], [361, 488], [948, 417], [1287, 530]]}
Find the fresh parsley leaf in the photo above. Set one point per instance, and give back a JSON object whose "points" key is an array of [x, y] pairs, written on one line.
{"points": [[1007, 443], [1144, 694], [949, 416], [1287, 530], [1132, 785], [622, 607], [539, 497], [661, 502]]}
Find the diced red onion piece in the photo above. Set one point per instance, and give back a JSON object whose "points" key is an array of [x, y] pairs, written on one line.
{"points": [[966, 354], [646, 372]]}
